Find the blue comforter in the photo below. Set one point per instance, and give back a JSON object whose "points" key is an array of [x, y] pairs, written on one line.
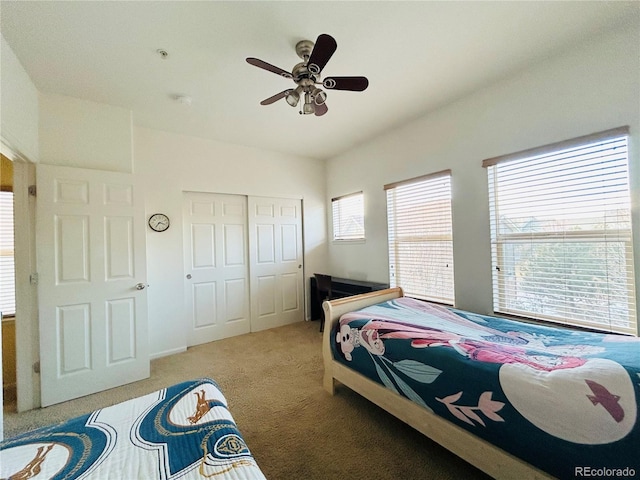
{"points": [[565, 401], [181, 432]]}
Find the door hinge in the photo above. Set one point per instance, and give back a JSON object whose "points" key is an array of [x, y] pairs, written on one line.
{"points": [[33, 190], [36, 367], [33, 278]]}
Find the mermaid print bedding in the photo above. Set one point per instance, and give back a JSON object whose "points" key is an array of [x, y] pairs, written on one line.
{"points": [[563, 400]]}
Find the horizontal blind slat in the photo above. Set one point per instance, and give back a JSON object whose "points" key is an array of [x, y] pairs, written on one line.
{"points": [[420, 237], [561, 236], [348, 217], [7, 265]]}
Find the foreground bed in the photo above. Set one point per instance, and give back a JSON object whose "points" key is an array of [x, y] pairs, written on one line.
{"points": [[184, 431], [547, 402]]}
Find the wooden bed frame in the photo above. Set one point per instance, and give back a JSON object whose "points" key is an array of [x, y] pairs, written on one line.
{"points": [[478, 452]]}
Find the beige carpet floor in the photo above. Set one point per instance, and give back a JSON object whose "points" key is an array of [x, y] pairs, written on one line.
{"points": [[295, 429]]}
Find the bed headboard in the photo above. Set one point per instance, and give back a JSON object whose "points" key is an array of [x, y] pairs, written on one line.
{"points": [[334, 309]]}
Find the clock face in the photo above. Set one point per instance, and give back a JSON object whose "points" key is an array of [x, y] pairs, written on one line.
{"points": [[159, 222]]}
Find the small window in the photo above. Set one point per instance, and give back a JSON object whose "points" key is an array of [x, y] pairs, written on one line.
{"points": [[348, 217], [419, 223], [561, 233]]}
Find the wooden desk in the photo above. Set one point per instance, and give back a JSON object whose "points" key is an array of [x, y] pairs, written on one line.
{"points": [[342, 287]]}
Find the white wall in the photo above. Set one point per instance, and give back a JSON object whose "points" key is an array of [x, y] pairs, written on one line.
{"points": [[19, 135], [19, 106], [590, 89], [171, 164], [79, 133]]}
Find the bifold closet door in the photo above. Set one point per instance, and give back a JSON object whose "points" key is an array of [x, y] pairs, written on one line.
{"points": [[216, 266], [276, 268]]}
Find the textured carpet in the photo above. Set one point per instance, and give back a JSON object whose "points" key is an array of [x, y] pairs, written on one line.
{"points": [[296, 430]]}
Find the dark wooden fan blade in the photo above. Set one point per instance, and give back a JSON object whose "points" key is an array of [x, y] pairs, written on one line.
{"points": [[355, 84], [275, 98], [321, 109], [267, 66], [323, 49]]}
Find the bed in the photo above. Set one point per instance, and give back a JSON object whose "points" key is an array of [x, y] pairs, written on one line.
{"points": [[515, 399], [181, 432]]}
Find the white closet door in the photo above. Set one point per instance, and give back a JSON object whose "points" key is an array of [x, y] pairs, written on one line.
{"points": [[277, 280], [92, 277], [216, 266]]}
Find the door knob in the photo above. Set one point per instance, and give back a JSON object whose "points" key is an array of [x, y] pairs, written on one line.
{"points": [[140, 286], [188, 276]]}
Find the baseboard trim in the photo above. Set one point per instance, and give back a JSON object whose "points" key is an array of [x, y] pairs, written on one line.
{"points": [[166, 353]]}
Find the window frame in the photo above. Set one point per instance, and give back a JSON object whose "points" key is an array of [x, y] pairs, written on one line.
{"points": [[448, 297], [339, 203], [563, 237]]}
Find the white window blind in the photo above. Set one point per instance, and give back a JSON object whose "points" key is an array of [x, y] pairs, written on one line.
{"points": [[561, 233], [348, 217], [420, 237], [7, 266]]}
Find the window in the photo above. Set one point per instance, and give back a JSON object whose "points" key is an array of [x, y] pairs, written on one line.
{"points": [[348, 217], [420, 237], [7, 267], [561, 233]]}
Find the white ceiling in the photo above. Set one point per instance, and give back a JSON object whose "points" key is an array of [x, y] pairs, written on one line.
{"points": [[417, 56]]}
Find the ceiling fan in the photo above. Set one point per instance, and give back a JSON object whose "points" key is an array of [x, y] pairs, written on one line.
{"points": [[306, 75]]}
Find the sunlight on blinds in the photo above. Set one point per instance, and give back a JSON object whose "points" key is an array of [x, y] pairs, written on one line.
{"points": [[7, 267], [561, 236], [420, 237], [348, 217]]}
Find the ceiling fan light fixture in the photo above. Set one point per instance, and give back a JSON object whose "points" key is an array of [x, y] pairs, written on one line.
{"points": [[309, 107], [294, 97], [319, 96], [306, 75]]}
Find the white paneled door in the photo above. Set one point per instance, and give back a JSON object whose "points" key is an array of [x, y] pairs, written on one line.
{"points": [[275, 243], [92, 277], [216, 266]]}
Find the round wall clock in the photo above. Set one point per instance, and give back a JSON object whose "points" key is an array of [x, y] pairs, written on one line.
{"points": [[159, 222]]}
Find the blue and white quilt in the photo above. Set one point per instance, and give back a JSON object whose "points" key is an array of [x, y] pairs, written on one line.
{"points": [[181, 432], [565, 401]]}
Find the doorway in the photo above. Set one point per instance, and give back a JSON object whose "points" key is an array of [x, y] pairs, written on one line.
{"points": [[23, 332]]}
